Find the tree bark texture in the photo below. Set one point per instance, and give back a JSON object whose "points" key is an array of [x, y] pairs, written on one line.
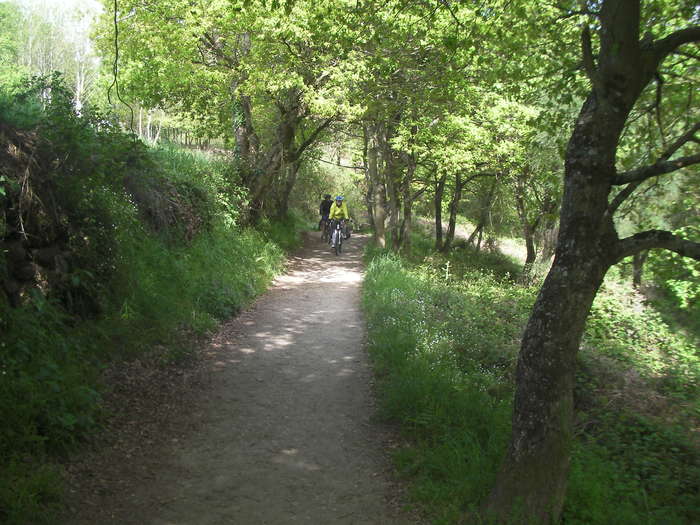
{"points": [[391, 176], [439, 194], [454, 208], [377, 208]]}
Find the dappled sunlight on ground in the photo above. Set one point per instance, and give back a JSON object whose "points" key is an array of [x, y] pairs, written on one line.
{"points": [[284, 434], [291, 458], [314, 320]]}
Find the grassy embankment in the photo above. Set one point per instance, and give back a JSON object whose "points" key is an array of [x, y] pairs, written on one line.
{"points": [[444, 335], [148, 251]]}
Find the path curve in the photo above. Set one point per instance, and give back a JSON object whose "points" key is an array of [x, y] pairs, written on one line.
{"points": [[286, 432]]}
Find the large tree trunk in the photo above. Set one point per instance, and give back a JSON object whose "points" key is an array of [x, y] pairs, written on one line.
{"points": [[290, 173], [531, 484], [534, 473]]}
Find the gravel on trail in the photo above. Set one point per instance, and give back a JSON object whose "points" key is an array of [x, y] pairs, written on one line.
{"points": [[283, 429]]}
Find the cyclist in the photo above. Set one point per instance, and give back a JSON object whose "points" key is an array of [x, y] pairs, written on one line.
{"points": [[339, 211], [324, 209]]}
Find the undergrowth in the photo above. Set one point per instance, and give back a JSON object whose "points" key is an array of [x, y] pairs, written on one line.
{"points": [[151, 253], [444, 335]]}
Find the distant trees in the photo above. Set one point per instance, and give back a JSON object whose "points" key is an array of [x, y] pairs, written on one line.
{"points": [[266, 78], [46, 39]]}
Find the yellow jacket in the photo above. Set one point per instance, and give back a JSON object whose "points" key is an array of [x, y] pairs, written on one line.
{"points": [[339, 212]]}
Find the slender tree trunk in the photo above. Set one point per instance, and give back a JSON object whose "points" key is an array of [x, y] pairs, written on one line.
{"points": [[156, 139], [483, 217], [140, 125], [378, 210], [394, 199], [528, 228], [638, 261], [368, 177], [454, 208], [406, 225], [439, 194], [476, 233]]}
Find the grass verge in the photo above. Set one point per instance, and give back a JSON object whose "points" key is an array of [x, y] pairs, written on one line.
{"points": [[444, 335]]}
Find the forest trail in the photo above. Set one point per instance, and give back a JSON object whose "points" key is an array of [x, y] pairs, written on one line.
{"points": [[284, 431]]}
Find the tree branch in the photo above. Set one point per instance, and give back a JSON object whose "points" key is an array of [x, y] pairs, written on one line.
{"points": [[686, 137], [622, 196], [661, 167], [476, 176], [359, 168], [662, 48], [311, 138], [658, 239], [588, 61]]}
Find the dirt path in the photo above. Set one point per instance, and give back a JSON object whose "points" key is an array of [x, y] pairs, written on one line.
{"points": [[284, 430]]}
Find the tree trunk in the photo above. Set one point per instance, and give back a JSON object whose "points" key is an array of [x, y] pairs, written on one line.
{"points": [[368, 179], [377, 201], [291, 172], [483, 217], [528, 228], [439, 193], [406, 225], [394, 200], [476, 233], [638, 261], [548, 240], [454, 207], [534, 472], [531, 484]]}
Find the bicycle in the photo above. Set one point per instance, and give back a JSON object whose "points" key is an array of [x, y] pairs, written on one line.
{"points": [[338, 235]]}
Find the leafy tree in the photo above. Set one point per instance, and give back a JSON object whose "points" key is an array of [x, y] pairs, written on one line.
{"points": [[621, 66], [266, 77], [10, 23]]}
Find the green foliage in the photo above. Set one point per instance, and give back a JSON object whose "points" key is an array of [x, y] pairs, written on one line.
{"points": [[680, 276], [445, 375], [619, 321], [443, 338], [29, 492], [10, 25], [47, 375], [123, 285]]}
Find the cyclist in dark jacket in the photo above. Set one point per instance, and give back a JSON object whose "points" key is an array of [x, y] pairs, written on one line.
{"points": [[324, 209]]}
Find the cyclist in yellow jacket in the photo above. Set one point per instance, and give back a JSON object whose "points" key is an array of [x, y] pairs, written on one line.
{"points": [[339, 212]]}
